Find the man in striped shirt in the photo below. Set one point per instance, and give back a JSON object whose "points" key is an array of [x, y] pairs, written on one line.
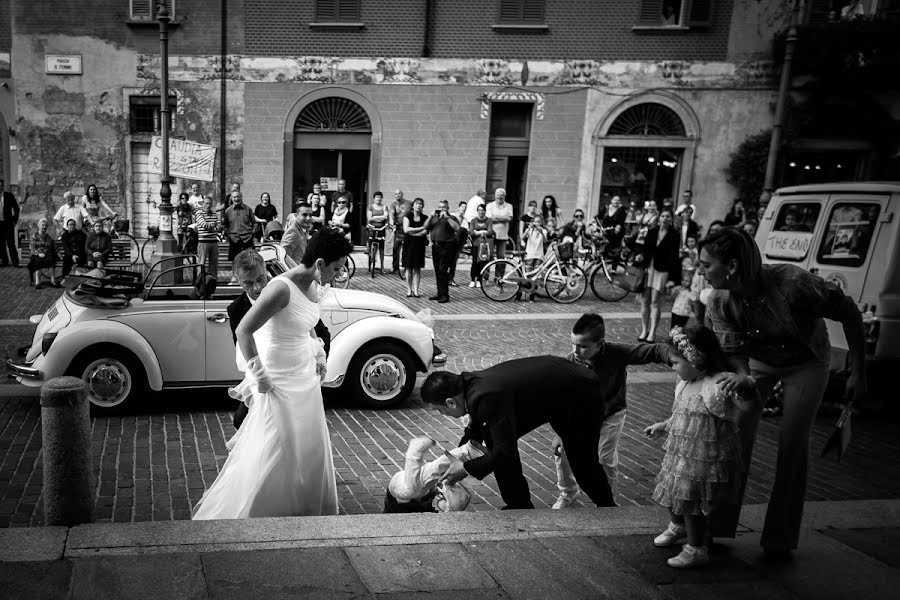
{"points": [[207, 236]]}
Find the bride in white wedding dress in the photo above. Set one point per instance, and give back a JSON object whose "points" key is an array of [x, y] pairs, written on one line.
{"points": [[280, 461]]}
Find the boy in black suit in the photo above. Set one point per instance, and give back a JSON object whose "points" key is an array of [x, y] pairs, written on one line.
{"points": [[513, 398], [250, 270]]}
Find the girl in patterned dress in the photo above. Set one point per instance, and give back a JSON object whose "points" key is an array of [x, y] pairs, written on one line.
{"points": [[702, 468]]}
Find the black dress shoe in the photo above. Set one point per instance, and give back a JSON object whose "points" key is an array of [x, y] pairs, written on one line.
{"points": [[435, 297], [443, 300]]}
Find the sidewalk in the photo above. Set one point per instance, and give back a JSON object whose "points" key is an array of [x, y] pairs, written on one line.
{"points": [[848, 550]]}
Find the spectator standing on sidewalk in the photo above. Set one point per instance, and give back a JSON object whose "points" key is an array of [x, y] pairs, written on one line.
{"points": [[43, 255], [462, 236], [687, 202], [229, 199], [264, 213], [196, 198], [501, 215], [473, 204], [551, 214], [525, 219], [481, 229], [70, 210], [377, 218], [208, 229], [443, 227], [73, 242], [414, 246], [94, 205], [238, 225], [297, 234], [398, 211], [342, 191], [9, 216], [609, 361]]}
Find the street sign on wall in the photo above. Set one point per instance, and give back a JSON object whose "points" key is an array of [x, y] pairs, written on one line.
{"points": [[187, 159], [56, 64]]}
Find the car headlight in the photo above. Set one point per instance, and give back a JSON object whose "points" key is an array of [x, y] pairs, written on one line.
{"points": [[47, 341]]}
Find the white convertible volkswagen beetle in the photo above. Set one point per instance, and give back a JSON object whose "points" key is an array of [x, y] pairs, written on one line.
{"points": [[122, 337]]}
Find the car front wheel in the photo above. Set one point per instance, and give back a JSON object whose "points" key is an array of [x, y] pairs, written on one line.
{"points": [[114, 379], [381, 374]]}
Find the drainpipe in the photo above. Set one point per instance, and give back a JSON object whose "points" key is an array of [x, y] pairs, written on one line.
{"points": [[426, 39], [774, 145], [222, 109]]}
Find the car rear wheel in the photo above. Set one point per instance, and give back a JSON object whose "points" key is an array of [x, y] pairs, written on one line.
{"points": [[113, 377], [381, 374]]}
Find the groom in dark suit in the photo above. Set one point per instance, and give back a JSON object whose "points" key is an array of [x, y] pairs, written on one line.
{"points": [[250, 270], [513, 398]]}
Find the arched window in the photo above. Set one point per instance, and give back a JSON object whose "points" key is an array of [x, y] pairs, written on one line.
{"points": [[648, 119], [333, 115]]}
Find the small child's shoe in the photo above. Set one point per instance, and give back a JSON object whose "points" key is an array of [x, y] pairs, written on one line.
{"points": [[690, 557], [671, 536]]}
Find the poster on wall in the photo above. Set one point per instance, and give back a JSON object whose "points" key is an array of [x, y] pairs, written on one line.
{"points": [[328, 184], [190, 160]]}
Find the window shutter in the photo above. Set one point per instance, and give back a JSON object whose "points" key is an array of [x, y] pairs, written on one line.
{"points": [[510, 11], [348, 10], [142, 9], [651, 12], [533, 11], [326, 10], [700, 14]]}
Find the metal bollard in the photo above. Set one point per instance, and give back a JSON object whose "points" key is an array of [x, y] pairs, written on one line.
{"points": [[66, 433]]}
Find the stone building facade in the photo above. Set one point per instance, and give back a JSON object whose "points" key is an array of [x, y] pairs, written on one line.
{"points": [[580, 99]]}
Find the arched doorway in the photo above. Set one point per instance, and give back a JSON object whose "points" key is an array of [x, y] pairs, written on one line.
{"points": [[645, 150], [332, 134]]}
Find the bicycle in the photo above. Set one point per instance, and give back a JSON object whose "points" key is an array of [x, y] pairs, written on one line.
{"points": [[148, 248], [601, 274], [563, 280], [124, 247], [375, 246]]}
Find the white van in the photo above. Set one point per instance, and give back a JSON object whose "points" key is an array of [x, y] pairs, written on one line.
{"points": [[848, 234]]}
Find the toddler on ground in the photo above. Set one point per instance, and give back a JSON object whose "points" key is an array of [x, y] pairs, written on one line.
{"points": [[702, 468], [419, 478]]}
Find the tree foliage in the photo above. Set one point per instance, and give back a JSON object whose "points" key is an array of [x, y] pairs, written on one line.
{"points": [[747, 169]]}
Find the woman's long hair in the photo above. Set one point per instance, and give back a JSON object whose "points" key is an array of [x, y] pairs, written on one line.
{"points": [[87, 192], [549, 212], [731, 243]]}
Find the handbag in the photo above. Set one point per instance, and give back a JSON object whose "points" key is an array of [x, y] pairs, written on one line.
{"points": [[485, 250], [631, 280]]}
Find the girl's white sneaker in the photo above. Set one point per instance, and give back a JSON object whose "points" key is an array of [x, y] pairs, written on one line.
{"points": [[689, 557], [671, 536]]}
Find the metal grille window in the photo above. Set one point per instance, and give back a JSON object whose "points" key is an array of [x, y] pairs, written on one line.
{"points": [[145, 10], [523, 12], [336, 11], [144, 114], [333, 115], [650, 119]]}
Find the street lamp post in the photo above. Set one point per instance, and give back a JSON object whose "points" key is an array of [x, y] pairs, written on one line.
{"points": [[165, 245]]}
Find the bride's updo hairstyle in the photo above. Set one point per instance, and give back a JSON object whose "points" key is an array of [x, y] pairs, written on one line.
{"points": [[329, 244]]}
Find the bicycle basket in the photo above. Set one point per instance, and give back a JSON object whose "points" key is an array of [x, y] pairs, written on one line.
{"points": [[123, 225], [565, 251]]}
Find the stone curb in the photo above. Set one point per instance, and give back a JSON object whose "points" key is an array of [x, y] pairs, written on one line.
{"points": [[51, 543]]}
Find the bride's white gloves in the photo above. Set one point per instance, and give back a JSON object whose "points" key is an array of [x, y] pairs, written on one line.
{"points": [[258, 371]]}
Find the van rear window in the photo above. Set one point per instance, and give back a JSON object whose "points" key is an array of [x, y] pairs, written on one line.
{"points": [[791, 237], [848, 236]]}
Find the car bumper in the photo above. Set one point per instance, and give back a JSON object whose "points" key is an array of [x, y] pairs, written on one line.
{"points": [[23, 370]]}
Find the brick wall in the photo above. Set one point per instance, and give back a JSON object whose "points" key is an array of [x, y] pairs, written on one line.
{"points": [[198, 30], [585, 29], [282, 28], [555, 154]]}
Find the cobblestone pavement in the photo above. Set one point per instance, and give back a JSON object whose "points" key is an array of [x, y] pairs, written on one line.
{"points": [[156, 464]]}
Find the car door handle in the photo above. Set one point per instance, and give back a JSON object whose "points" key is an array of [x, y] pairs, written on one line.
{"points": [[217, 318]]}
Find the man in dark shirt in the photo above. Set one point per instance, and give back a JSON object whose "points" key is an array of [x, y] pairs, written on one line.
{"points": [[512, 399], [238, 225], [250, 272], [608, 361], [443, 227], [9, 216]]}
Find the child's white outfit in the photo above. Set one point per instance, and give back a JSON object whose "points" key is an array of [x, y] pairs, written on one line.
{"points": [[681, 306], [702, 467], [534, 246], [419, 478]]}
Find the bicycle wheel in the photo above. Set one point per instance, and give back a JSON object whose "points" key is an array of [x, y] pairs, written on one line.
{"points": [[351, 267], [373, 250], [565, 282], [341, 277], [503, 288], [148, 249], [126, 249], [603, 286]]}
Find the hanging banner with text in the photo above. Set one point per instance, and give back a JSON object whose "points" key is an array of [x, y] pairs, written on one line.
{"points": [[186, 159]]}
